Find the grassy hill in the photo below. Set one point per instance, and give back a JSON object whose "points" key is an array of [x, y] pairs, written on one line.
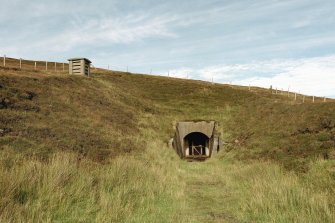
{"points": [[76, 149]]}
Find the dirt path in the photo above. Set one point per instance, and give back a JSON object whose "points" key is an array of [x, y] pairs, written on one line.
{"points": [[206, 195]]}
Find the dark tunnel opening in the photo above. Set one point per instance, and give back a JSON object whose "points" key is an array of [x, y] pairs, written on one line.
{"points": [[196, 143]]}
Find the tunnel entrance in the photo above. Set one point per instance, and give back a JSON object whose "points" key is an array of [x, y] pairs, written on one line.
{"points": [[196, 145], [195, 140]]}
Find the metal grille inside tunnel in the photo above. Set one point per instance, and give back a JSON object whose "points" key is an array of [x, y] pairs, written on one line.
{"points": [[196, 143]]}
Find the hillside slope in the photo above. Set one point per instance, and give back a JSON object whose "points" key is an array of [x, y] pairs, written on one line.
{"points": [[94, 149]]}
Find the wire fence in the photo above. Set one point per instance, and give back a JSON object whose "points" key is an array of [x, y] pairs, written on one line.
{"points": [[23, 64], [294, 96]]}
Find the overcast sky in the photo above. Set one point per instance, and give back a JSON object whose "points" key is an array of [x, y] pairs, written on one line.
{"points": [[283, 43]]}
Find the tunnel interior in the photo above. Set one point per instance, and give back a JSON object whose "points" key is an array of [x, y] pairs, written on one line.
{"points": [[196, 143]]}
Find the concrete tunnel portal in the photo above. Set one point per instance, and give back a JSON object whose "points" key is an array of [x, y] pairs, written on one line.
{"points": [[196, 140]]}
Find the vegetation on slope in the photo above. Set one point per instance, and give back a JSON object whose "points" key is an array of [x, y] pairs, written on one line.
{"points": [[94, 149]]}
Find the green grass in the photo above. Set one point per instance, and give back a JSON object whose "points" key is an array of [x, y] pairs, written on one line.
{"points": [[75, 149], [64, 189], [224, 190]]}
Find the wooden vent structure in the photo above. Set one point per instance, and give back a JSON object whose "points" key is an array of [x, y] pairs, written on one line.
{"points": [[79, 66]]}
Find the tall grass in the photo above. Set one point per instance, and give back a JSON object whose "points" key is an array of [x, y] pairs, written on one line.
{"points": [[69, 189], [261, 192], [155, 186]]}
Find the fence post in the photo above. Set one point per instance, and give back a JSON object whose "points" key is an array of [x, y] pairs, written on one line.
{"points": [[20, 63], [35, 66], [324, 99], [55, 66], [249, 87], [313, 99], [46, 65], [288, 92], [4, 60], [295, 96]]}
